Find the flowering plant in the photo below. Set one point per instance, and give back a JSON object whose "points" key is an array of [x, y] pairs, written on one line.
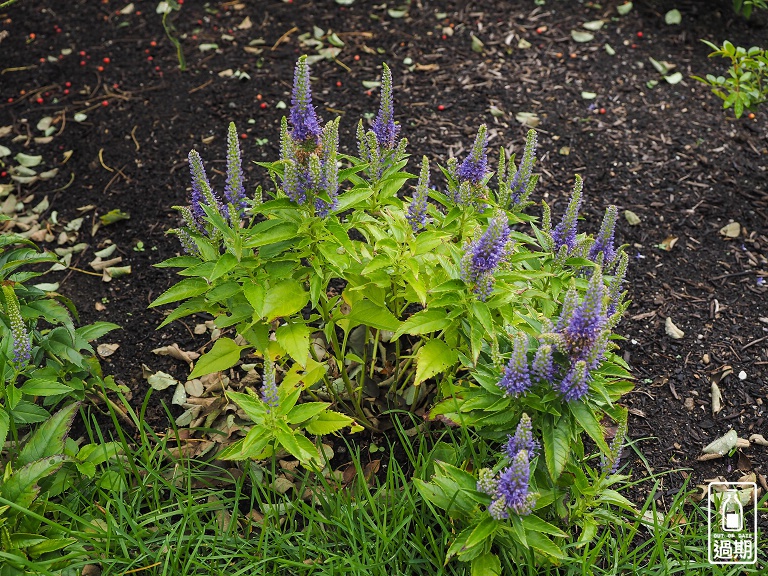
{"points": [[367, 299], [56, 363]]}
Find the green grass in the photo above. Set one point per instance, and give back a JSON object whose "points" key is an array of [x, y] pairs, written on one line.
{"points": [[182, 517]]}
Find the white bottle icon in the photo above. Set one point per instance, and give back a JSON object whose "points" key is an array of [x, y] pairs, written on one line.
{"points": [[732, 512]]}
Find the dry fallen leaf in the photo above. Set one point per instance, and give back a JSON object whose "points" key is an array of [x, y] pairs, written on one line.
{"points": [[106, 350], [717, 398], [175, 352], [731, 230], [668, 243], [758, 439], [672, 330], [722, 445]]}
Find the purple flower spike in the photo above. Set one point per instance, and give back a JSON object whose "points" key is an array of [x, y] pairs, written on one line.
{"points": [[587, 321], [269, 388], [22, 346], [475, 166], [575, 385], [604, 241], [483, 255], [522, 440], [234, 191], [564, 233], [384, 126], [513, 487], [543, 366], [516, 379], [417, 209], [304, 120], [202, 193]]}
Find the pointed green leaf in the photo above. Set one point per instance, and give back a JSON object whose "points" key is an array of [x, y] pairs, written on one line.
{"points": [[556, 439], [21, 488], [223, 265], [535, 524], [294, 338], [224, 354], [5, 424], [328, 422], [298, 445], [187, 288], [371, 314], [486, 565], [48, 439], [303, 412], [253, 407], [541, 543], [433, 358], [423, 322], [481, 533], [96, 330], [283, 299], [587, 420]]}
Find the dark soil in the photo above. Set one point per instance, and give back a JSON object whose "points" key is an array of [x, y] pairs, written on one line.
{"points": [[668, 153]]}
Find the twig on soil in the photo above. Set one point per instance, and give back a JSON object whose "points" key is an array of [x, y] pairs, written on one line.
{"points": [[753, 343], [133, 137], [742, 273], [193, 90], [101, 161], [118, 173], [84, 271], [284, 37]]}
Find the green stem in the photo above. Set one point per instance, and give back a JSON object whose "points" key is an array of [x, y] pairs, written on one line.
{"points": [[175, 42], [6, 4]]}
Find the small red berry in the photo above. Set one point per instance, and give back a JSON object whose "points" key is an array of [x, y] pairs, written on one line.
{"points": [[10, 100], [357, 57], [82, 62], [115, 85], [39, 100], [639, 34], [146, 50], [338, 84], [66, 92], [153, 43], [42, 60], [138, 12], [82, 52], [105, 102], [263, 105], [106, 60], [149, 58], [3, 174], [31, 35], [258, 96], [243, 136], [68, 84], [602, 110], [440, 107], [100, 68], [157, 68], [444, 37], [751, 115]]}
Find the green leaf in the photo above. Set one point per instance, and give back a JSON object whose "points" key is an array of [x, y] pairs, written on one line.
{"points": [[48, 439], [370, 314], [535, 524], [5, 425], [187, 288], [254, 292], [44, 387], [328, 422], [303, 412], [623, 9], [96, 330], [423, 322], [223, 265], [271, 232], [432, 358], [481, 533], [486, 565], [298, 445], [294, 338], [21, 488], [113, 216], [283, 299], [556, 444], [540, 542], [28, 413], [253, 407], [28, 161], [587, 420], [224, 354]]}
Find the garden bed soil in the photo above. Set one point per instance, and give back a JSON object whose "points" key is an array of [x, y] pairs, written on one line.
{"points": [[668, 153]]}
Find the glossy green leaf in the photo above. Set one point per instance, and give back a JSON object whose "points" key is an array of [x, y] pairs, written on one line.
{"points": [[303, 412], [96, 330], [371, 314], [423, 322], [224, 354], [587, 420], [284, 299], [187, 288], [328, 422], [433, 358], [294, 338], [556, 439], [486, 565]]}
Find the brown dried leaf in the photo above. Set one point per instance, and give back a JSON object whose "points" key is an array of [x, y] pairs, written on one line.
{"points": [[106, 350], [175, 352]]}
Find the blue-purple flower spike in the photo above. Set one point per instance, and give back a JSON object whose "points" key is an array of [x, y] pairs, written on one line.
{"points": [[484, 255], [474, 168], [516, 379], [417, 209], [587, 320], [514, 484], [22, 346], [575, 385], [604, 241], [304, 121], [202, 193], [269, 392], [543, 365], [234, 191], [564, 233], [522, 439], [384, 125]]}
